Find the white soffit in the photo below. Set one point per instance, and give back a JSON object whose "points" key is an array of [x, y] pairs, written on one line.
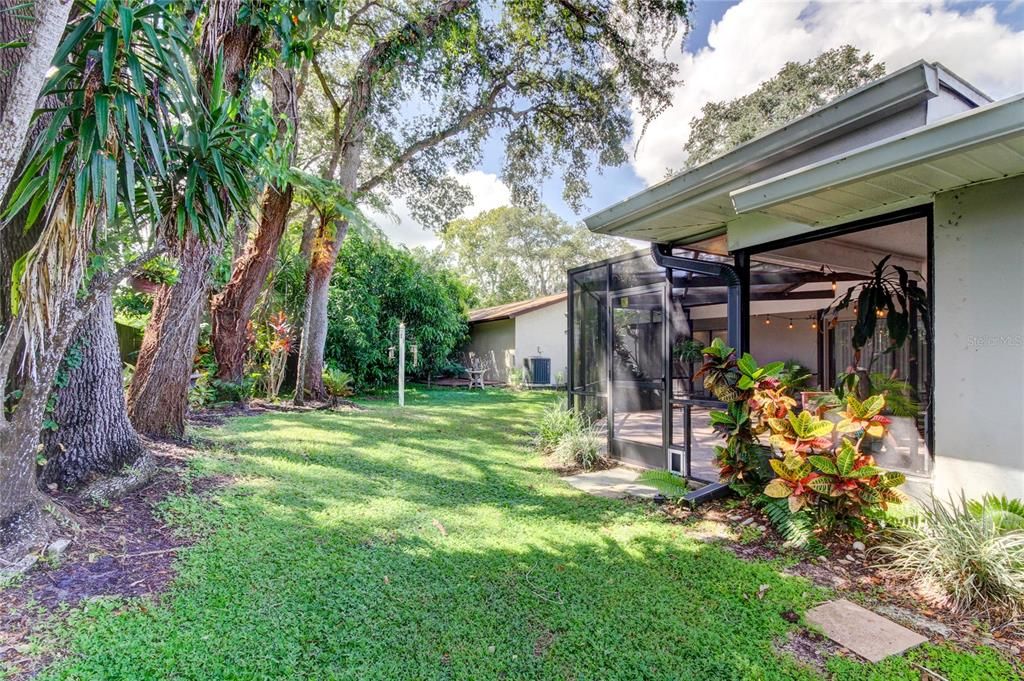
{"points": [[979, 145]]}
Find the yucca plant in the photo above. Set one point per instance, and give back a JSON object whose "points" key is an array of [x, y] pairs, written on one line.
{"points": [[127, 156], [960, 558]]}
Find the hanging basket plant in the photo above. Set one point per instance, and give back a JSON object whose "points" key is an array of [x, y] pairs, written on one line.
{"points": [[890, 295]]}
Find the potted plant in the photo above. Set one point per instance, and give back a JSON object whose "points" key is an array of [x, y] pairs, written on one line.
{"points": [[890, 295]]}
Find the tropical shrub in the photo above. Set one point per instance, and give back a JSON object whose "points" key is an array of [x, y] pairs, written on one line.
{"points": [[962, 555], [1005, 514], [794, 376], [280, 344], [828, 478], [225, 392], [201, 393], [720, 372]]}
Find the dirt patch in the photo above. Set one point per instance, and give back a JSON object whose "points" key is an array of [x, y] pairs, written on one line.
{"points": [[809, 648], [122, 549], [543, 642]]}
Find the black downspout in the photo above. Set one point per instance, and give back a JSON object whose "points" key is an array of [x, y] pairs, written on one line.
{"points": [[737, 279], [570, 339]]}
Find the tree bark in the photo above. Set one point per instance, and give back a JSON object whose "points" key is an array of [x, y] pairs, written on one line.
{"points": [[232, 307], [309, 378], [94, 436], [29, 66], [158, 395], [49, 286]]}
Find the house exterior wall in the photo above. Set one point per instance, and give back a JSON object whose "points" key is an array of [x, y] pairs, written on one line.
{"points": [[979, 340], [543, 333], [494, 343]]}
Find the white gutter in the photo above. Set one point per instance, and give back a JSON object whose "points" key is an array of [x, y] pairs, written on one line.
{"points": [[876, 100], [987, 124]]}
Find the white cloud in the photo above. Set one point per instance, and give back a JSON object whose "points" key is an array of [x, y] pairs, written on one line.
{"points": [[488, 192], [754, 39]]}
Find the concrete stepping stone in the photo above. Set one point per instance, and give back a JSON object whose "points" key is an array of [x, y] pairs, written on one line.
{"points": [[614, 483], [871, 636]]}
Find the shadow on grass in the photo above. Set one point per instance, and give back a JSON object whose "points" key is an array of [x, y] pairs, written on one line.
{"points": [[427, 543]]}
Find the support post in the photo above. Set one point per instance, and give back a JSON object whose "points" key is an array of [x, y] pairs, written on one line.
{"points": [[401, 364]]}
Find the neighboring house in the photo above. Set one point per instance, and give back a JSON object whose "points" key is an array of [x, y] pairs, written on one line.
{"points": [[753, 245], [529, 334]]}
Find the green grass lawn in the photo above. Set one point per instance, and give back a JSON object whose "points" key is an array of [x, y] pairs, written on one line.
{"points": [[429, 543]]}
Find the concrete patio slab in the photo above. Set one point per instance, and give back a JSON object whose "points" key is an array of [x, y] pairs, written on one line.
{"points": [[614, 483], [871, 636]]}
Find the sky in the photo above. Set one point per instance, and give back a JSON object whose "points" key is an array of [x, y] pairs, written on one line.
{"points": [[734, 46]]}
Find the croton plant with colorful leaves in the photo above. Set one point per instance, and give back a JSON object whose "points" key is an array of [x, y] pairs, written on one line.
{"points": [[816, 465]]}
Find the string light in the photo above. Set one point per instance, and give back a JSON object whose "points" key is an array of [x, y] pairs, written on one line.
{"points": [[814, 325], [791, 324], [767, 321]]}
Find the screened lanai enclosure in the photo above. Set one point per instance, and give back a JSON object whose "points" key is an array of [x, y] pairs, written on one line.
{"points": [[638, 324]]}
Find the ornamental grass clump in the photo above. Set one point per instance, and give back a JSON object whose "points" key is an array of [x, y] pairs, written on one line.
{"points": [[960, 557], [556, 420], [580, 448], [569, 436]]}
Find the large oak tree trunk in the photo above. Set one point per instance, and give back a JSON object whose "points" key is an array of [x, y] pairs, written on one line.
{"points": [[158, 395], [232, 307], [94, 436], [27, 68]]}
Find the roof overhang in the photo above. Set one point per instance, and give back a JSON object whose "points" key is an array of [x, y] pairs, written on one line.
{"points": [[979, 145], [696, 204], [512, 310]]}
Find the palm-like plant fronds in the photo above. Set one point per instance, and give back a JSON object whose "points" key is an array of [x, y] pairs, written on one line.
{"points": [[666, 482]]}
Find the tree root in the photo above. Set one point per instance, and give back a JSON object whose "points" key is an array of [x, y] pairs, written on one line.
{"points": [[24, 534], [131, 478]]}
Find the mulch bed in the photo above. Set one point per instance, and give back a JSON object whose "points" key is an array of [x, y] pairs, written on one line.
{"points": [[553, 463], [122, 550], [215, 416], [852, 574]]}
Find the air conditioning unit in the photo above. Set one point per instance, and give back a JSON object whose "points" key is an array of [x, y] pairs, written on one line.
{"points": [[539, 369]]}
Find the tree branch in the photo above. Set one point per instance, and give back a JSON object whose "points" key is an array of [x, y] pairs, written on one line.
{"points": [[484, 108]]}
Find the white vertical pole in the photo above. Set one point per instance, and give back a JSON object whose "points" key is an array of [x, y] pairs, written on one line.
{"points": [[401, 364]]}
